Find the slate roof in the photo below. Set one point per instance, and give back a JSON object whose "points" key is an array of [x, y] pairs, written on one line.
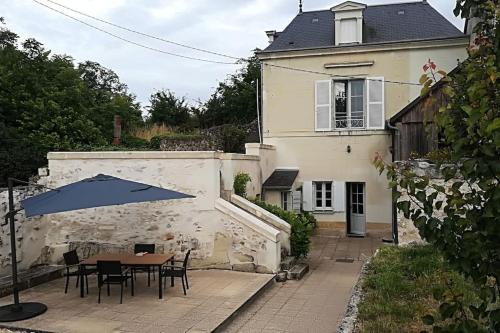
{"points": [[281, 179], [381, 24]]}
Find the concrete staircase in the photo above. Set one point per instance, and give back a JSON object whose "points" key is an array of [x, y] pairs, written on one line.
{"points": [[291, 269]]}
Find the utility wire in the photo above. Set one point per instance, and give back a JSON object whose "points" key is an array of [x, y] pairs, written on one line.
{"points": [[339, 76], [132, 42], [142, 33], [196, 48]]}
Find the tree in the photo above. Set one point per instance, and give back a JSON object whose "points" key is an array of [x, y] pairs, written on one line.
{"points": [[47, 103], [168, 109], [234, 100], [469, 234], [107, 97]]}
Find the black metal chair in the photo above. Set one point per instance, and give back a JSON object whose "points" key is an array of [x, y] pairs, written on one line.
{"points": [[174, 271], [149, 248], [72, 261], [111, 272]]}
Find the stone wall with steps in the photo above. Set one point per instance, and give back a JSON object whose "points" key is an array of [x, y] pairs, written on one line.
{"points": [[217, 239]]}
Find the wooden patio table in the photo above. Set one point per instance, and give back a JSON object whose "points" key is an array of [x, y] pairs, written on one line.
{"points": [[129, 260]]}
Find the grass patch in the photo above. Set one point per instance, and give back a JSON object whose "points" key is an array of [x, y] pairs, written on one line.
{"points": [[398, 289], [149, 131]]}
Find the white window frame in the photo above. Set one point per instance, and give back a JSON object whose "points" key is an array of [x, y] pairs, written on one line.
{"points": [[285, 200], [323, 207], [343, 24], [348, 105]]}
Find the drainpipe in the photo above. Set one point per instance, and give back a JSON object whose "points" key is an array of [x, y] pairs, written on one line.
{"points": [[395, 149]]}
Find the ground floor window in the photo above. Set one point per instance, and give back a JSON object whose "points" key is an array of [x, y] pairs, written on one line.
{"points": [[322, 192]]}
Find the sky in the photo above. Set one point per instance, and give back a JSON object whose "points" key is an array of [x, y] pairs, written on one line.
{"points": [[232, 27]]}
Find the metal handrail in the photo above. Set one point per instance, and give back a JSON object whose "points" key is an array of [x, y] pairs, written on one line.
{"points": [[349, 122]]}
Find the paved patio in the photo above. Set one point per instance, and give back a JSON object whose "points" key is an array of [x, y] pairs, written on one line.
{"points": [[213, 296], [318, 302]]}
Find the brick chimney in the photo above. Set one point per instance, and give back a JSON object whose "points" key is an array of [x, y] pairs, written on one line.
{"points": [[117, 132]]}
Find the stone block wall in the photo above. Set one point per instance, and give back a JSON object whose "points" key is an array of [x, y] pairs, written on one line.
{"points": [[407, 232], [217, 239], [30, 233], [212, 139]]}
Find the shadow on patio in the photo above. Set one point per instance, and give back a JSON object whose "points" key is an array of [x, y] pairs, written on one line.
{"points": [[214, 295]]}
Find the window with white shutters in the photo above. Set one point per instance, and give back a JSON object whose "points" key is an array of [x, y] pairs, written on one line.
{"points": [[349, 104], [323, 90], [375, 104]]}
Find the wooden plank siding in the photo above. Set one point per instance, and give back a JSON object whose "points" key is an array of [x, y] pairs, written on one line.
{"points": [[417, 134]]}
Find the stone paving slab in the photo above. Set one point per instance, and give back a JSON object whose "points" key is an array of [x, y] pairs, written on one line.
{"points": [[318, 302], [214, 295]]}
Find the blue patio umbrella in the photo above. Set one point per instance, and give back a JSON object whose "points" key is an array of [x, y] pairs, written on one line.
{"points": [[98, 191]]}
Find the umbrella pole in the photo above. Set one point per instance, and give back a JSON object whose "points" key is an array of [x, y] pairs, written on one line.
{"points": [[13, 254], [17, 311]]}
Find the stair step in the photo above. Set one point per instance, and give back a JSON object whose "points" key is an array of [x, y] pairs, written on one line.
{"points": [[30, 278], [298, 271], [287, 263]]}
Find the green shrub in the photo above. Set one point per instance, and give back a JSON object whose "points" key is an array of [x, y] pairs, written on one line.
{"points": [[134, 142], [310, 219], [302, 226], [233, 139], [240, 184]]}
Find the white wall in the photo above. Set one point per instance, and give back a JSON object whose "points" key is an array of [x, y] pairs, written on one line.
{"points": [[217, 239], [232, 164]]}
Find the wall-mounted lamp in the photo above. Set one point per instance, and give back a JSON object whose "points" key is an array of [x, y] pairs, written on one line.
{"points": [[348, 148]]}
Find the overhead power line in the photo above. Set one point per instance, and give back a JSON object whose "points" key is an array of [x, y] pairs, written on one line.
{"points": [[131, 41], [339, 76], [193, 47], [143, 33]]}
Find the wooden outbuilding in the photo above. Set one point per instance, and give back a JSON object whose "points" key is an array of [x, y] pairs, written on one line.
{"points": [[414, 134]]}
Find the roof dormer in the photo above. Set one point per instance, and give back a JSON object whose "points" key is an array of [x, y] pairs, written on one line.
{"points": [[348, 22]]}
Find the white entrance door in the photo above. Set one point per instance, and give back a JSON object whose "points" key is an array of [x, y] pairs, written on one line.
{"points": [[358, 211]]}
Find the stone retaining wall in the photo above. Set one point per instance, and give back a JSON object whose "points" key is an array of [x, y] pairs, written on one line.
{"points": [[217, 239], [216, 138], [30, 233], [407, 232]]}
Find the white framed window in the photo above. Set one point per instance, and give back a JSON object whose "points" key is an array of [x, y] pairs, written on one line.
{"points": [[354, 104], [348, 31], [349, 104], [323, 196], [285, 201]]}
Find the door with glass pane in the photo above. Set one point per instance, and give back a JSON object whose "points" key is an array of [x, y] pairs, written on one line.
{"points": [[357, 209]]}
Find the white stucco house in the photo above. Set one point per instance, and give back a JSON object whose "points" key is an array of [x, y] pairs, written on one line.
{"points": [[330, 81]]}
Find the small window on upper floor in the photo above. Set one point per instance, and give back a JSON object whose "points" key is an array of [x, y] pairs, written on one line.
{"points": [[348, 31]]}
